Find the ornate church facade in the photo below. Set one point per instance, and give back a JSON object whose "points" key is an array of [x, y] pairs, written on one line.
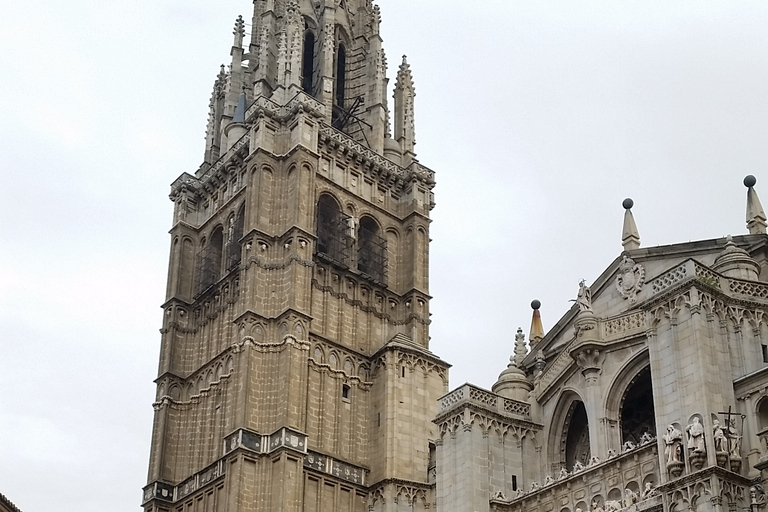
{"points": [[295, 372]]}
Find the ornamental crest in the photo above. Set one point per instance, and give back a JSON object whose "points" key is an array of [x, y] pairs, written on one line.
{"points": [[630, 279]]}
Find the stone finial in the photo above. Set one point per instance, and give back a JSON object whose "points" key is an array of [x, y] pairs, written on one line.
{"points": [[405, 92], [537, 330], [239, 32], [755, 213], [520, 350], [630, 237]]}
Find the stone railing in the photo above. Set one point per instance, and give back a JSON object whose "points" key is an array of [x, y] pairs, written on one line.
{"points": [[691, 269], [604, 483], [469, 394], [623, 325]]}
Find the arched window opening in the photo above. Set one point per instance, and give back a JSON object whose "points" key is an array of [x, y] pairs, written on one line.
{"points": [[371, 250], [577, 437], [209, 262], [341, 74], [234, 234], [308, 63], [332, 231], [762, 415], [637, 412]]}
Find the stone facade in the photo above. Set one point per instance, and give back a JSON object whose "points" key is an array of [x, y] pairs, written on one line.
{"points": [[651, 393], [295, 371]]}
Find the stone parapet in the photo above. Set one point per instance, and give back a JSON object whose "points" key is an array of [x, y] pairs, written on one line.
{"points": [[469, 394]]}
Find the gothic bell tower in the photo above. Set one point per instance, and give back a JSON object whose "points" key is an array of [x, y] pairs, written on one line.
{"points": [[295, 371]]}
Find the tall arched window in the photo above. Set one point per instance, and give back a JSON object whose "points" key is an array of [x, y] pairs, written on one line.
{"points": [[577, 437], [209, 261], [371, 250], [308, 62], [332, 231], [637, 412], [341, 74], [234, 234]]}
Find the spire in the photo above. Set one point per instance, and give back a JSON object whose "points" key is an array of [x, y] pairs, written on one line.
{"points": [[755, 213], [537, 331], [405, 92], [630, 238], [520, 350], [239, 32]]}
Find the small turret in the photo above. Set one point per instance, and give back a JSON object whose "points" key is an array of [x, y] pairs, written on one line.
{"points": [[630, 237], [512, 382], [755, 213], [736, 262]]}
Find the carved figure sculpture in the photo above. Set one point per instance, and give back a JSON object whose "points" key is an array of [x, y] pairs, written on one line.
{"points": [[593, 461], [595, 507], [757, 495], [630, 279], [721, 442], [734, 442], [613, 505], [584, 298], [649, 491], [646, 438], [578, 466], [611, 453], [673, 441], [534, 486], [630, 497], [696, 436], [563, 474], [628, 446], [548, 480]]}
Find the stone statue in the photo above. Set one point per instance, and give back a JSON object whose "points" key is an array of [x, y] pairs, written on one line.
{"points": [[578, 466], [593, 461], [673, 441], [611, 453], [534, 486], [721, 443], [757, 495], [628, 446], [611, 506], [595, 507], [696, 436], [646, 438], [548, 480], [649, 491], [584, 298], [563, 474], [630, 497], [734, 442]]}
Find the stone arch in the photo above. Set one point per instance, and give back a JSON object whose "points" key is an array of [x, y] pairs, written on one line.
{"points": [[318, 354], [331, 227], [333, 360], [371, 249], [632, 383], [569, 431]]}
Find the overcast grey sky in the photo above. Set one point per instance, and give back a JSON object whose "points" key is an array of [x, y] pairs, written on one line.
{"points": [[538, 117]]}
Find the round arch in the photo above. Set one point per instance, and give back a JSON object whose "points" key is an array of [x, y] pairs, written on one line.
{"points": [[568, 439], [629, 401]]}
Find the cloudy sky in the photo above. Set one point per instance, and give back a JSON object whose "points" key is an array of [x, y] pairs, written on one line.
{"points": [[539, 118]]}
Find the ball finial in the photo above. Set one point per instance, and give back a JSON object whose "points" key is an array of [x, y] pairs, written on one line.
{"points": [[628, 203], [750, 181], [536, 304]]}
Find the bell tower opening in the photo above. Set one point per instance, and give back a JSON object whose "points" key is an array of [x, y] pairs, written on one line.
{"points": [[308, 62], [341, 75]]}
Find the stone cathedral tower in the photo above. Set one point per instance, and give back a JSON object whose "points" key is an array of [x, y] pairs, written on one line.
{"points": [[295, 371]]}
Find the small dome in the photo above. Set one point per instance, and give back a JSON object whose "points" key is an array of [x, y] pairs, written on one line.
{"points": [[513, 383], [735, 262]]}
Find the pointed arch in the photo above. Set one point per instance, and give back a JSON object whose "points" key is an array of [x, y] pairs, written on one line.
{"points": [[332, 228], [209, 261], [371, 250]]}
